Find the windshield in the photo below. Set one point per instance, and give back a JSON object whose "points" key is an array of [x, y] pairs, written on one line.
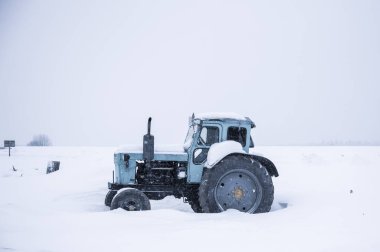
{"points": [[189, 137]]}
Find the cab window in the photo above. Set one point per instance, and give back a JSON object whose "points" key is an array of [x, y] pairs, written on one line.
{"points": [[238, 134], [209, 135]]}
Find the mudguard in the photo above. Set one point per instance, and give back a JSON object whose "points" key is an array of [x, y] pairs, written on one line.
{"points": [[271, 168]]}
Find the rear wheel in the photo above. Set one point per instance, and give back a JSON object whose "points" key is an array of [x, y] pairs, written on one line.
{"points": [[131, 200], [194, 203], [196, 206], [193, 199], [236, 182]]}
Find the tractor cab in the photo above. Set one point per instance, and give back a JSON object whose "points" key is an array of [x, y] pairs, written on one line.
{"points": [[208, 129]]}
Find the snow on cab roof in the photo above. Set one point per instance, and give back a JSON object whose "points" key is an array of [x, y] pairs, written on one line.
{"points": [[210, 116]]}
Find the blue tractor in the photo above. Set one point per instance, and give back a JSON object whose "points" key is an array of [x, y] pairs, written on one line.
{"points": [[214, 171]]}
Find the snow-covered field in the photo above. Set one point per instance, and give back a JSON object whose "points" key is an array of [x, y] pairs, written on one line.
{"points": [[326, 199]]}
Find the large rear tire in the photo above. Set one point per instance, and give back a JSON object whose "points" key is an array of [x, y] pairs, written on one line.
{"points": [[236, 182], [196, 206], [130, 200], [193, 199]]}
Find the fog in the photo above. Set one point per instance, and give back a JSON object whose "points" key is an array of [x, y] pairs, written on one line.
{"points": [[92, 72]]}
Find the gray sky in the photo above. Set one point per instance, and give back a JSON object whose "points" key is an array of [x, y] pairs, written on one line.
{"points": [[91, 72]]}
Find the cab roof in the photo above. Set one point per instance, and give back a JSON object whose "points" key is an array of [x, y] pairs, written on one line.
{"points": [[224, 117]]}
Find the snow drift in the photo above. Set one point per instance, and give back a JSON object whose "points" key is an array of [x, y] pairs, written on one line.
{"points": [[325, 200]]}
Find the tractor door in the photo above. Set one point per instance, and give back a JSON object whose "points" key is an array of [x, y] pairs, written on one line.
{"points": [[207, 136]]}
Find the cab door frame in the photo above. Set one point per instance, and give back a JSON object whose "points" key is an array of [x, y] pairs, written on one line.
{"points": [[195, 170]]}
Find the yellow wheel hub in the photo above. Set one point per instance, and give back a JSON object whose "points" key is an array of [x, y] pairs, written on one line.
{"points": [[238, 193]]}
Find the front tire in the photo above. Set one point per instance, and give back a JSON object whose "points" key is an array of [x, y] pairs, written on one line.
{"points": [[236, 182], [109, 197], [131, 200]]}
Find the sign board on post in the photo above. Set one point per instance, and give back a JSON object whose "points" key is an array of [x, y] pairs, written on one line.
{"points": [[9, 144]]}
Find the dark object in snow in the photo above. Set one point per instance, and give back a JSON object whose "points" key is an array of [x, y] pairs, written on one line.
{"points": [[213, 172], [131, 200], [351, 191], [14, 169], [283, 204], [52, 166]]}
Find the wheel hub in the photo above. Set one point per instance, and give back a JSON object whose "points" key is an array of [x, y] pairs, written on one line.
{"points": [[238, 189], [130, 206], [238, 193]]}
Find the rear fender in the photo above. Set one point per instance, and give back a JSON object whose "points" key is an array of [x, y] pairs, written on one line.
{"points": [[269, 166]]}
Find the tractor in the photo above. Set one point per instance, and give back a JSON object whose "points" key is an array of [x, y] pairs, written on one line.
{"points": [[213, 172]]}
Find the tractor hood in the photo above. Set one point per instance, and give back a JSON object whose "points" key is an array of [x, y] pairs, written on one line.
{"points": [[161, 149]]}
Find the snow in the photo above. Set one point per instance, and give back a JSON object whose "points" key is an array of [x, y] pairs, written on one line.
{"points": [[219, 150], [325, 200], [218, 115]]}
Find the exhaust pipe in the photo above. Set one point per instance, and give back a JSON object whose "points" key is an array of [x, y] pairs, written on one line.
{"points": [[149, 123], [148, 145]]}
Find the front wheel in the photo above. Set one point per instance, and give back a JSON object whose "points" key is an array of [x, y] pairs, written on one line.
{"points": [[109, 197], [131, 200], [236, 182]]}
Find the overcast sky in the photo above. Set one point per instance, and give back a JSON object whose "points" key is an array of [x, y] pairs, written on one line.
{"points": [[92, 72]]}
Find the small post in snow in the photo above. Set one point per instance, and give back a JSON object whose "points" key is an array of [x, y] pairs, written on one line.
{"points": [[9, 144]]}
